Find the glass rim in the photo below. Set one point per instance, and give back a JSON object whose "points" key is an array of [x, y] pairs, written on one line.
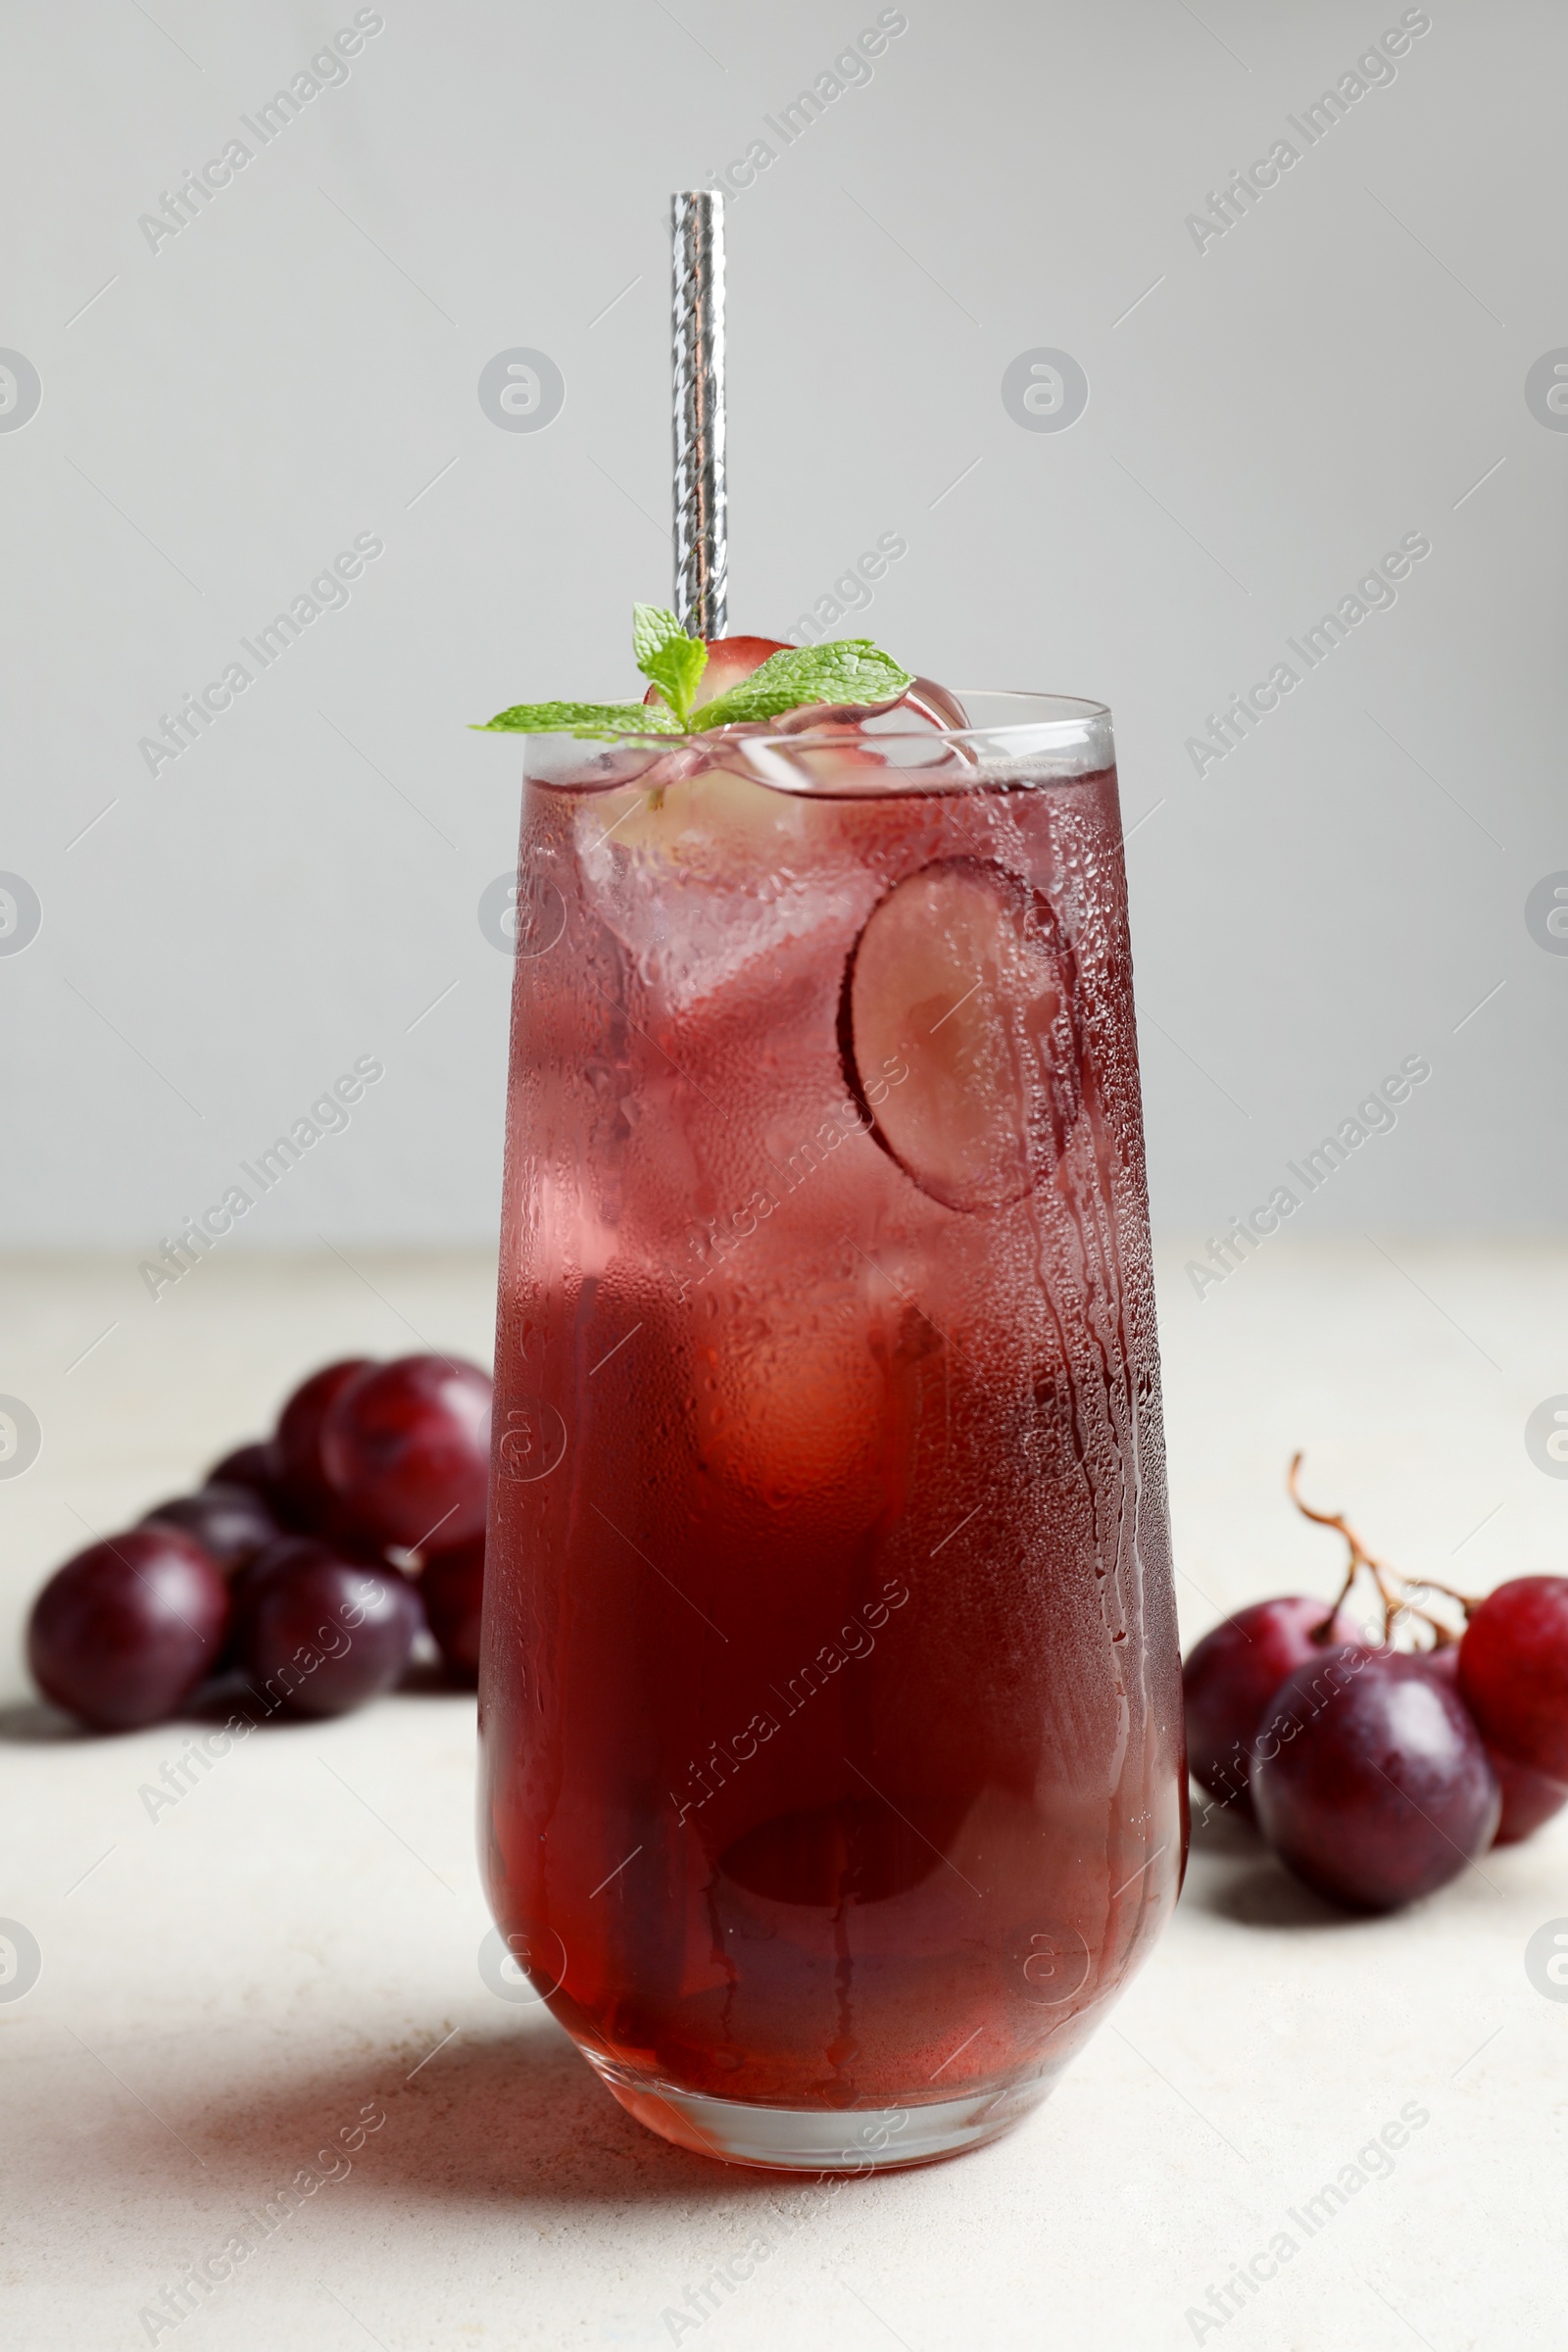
{"points": [[1070, 716], [1071, 713]]}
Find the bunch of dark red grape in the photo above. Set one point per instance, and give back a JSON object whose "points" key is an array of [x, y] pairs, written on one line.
{"points": [[1375, 1772], [305, 1567]]}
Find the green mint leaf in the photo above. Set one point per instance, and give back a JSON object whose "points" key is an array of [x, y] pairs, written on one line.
{"points": [[852, 669], [592, 719], [851, 672], [673, 662], [652, 628]]}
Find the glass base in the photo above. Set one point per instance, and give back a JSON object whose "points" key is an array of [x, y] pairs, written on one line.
{"points": [[821, 2140]]}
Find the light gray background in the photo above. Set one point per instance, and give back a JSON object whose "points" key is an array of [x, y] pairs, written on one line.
{"points": [[299, 363]]}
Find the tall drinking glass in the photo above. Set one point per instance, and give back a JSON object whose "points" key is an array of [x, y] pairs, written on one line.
{"points": [[830, 1705]]}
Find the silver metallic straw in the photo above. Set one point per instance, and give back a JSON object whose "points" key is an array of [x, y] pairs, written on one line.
{"points": [[702, 550]]}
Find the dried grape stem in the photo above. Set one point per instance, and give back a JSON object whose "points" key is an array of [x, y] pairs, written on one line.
{"points": [[1443, 1635], [1432, 1583], [1392, 1601]]}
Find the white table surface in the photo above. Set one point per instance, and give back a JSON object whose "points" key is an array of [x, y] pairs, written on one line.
{"points": [[224, 1988]]}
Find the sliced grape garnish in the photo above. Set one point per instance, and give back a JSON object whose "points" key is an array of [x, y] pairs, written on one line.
{"points": [[729, 660], [958, 1033]]}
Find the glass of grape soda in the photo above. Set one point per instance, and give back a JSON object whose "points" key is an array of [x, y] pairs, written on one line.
{"points": [[830, 1700]]}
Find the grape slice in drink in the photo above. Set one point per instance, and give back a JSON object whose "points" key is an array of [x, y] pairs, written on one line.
{"points": [[962, 976]]}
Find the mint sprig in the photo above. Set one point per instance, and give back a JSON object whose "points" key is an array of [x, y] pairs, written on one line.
{"points": [[851, 672], [582, 718], [851, 669], [668, 658]]}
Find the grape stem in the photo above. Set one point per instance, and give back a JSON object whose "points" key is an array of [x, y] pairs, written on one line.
{"points": [[1394, 1603], [1431, 1584]]}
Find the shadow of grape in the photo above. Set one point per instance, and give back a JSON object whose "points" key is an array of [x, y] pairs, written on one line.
{"points": [[1267, 1896], [28, 1723], [1222, 1830], [33, 1722], [428, 1678], [1233, 1874]]}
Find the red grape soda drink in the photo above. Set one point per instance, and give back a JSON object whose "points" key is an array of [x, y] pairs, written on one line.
{"points": [[830, 1702]]}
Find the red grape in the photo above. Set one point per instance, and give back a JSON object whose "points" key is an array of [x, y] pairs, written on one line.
{"points": [[321, 1634], [1234, 1672], [406, 1447], [232, 1523], [1370, 1780], [452, 1589], [280, 1553], [1513, 1672], [122, 1634], [1529, 1798], [295, 1454], [247, 1466]]}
